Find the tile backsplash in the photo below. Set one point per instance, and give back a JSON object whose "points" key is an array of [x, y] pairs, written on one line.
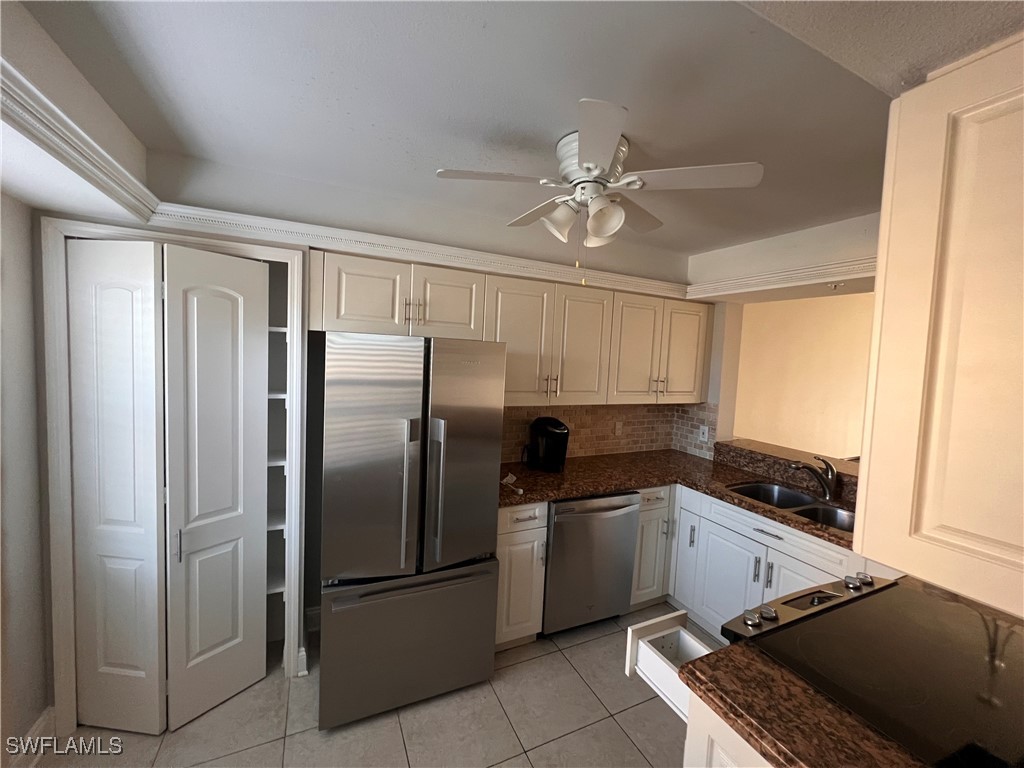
{"points": [[592, 428]]}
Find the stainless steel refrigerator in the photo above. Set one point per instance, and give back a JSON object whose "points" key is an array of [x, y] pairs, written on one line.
{"points": [[404, 477]]}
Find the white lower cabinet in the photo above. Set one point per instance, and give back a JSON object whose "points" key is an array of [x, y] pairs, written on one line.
{"points": [[521, 562], [656, 649], [651, 552], [729, 575], [711, 743], [784, 575]]}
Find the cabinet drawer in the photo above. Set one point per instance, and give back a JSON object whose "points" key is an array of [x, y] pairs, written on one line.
{"points": [[652, 498], [656, 649], [522, 517]]}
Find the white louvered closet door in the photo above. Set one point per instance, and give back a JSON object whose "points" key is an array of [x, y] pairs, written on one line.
{"points": [[216, 367]]}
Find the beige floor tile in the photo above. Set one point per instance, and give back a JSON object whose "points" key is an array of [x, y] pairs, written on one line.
{"points": [[577, 635], [644, 614], [602, 664], [523, 653], [255, 716], [375, 741], [464, 728], [304, 701], [519, 761], [136, 749], [263, 756], [545, 698], [657, 730], [601, 745]]}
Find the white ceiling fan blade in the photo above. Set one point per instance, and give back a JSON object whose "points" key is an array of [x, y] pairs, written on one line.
{"points": [[724, 176], [447, 173], [601, 124], [637, 218], [535, 214]]}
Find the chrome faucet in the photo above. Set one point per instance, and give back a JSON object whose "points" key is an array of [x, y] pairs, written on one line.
{"points": [[826, 477]]}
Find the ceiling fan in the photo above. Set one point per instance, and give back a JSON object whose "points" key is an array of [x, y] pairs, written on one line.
{"points": [[590, 163]]}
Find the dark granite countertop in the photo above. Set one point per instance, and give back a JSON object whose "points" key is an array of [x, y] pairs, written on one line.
{"points": [[612, 473], [780, 715], [788, 721]]}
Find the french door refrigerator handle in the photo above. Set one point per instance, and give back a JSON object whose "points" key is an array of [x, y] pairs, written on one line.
{"points": [[440, 428], [405, 491]]}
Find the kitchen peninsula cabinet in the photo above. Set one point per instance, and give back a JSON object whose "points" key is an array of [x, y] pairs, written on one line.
{"points": [[940, 484]]}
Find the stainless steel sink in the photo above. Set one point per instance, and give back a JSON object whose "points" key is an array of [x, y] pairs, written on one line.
{"points": [[831, 516], [775, 495]]}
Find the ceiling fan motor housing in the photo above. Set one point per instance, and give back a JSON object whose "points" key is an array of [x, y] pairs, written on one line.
{"points": [[568, 153]]}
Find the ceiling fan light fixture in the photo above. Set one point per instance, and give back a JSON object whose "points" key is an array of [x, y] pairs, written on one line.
{"points": [[559, 222], [596, 242], [605, 217]]}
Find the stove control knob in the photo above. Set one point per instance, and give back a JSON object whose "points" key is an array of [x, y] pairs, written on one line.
{"points": [[852, 582], [865, 579], [768, 613], [751, 618]]}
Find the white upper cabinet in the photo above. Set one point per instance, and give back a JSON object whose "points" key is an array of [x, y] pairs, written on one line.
{"points": [[941, 482], [659, 350], [636, 349], [582, 333], [447, 303], [684, 337], [366, 295], [521, 314]]}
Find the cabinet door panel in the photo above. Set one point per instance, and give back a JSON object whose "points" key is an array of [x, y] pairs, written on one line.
{"points": [[521, 314], [649, 565], [945, 391], [636, 349], [730, 572], [684, 587], [683, 352], [366, 295], [785, 575], [520, 584], [583, 323], [447, 303]]}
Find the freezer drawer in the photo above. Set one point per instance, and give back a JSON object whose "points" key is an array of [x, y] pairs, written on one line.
{"points": [[656, 649], [387, 644]]}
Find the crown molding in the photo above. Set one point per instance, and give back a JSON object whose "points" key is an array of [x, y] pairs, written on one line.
{"points": [[27, 109], [279, 231], [785, 278]]}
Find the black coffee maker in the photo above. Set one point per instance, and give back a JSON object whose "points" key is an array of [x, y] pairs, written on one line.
{"points": [[549, 442]]}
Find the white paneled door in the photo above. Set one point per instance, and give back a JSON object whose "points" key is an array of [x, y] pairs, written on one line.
{"points": [[115, 338], [216, 371]]}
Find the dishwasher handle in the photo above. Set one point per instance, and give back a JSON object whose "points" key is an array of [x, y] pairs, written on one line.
{"points": [[600, 514]]}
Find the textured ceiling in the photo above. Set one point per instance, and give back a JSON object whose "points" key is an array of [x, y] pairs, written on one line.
{"points": [[894, 45], [339, 113]]}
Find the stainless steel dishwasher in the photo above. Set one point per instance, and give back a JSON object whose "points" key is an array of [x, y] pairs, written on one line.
{"points": [[591, 546]]}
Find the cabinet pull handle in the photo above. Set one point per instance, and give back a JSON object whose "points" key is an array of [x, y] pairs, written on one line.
{"points": [[768, 575], [547, 386], [177, 545], [768, 533], [524, 519], [757, 569], [693, 534], [558, 389], [408, 310], [664, 528], [664, 385], [420, 305], [543, 553]]}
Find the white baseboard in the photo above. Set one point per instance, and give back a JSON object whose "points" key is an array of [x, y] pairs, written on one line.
{"points": [[43, 726]]}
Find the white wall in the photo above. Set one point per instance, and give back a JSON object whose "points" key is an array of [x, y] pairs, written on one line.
{"points": [[22, 578], [803, 373]]}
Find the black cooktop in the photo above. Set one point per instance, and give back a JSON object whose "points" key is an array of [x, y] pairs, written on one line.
{"points": [[918, 668]]}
